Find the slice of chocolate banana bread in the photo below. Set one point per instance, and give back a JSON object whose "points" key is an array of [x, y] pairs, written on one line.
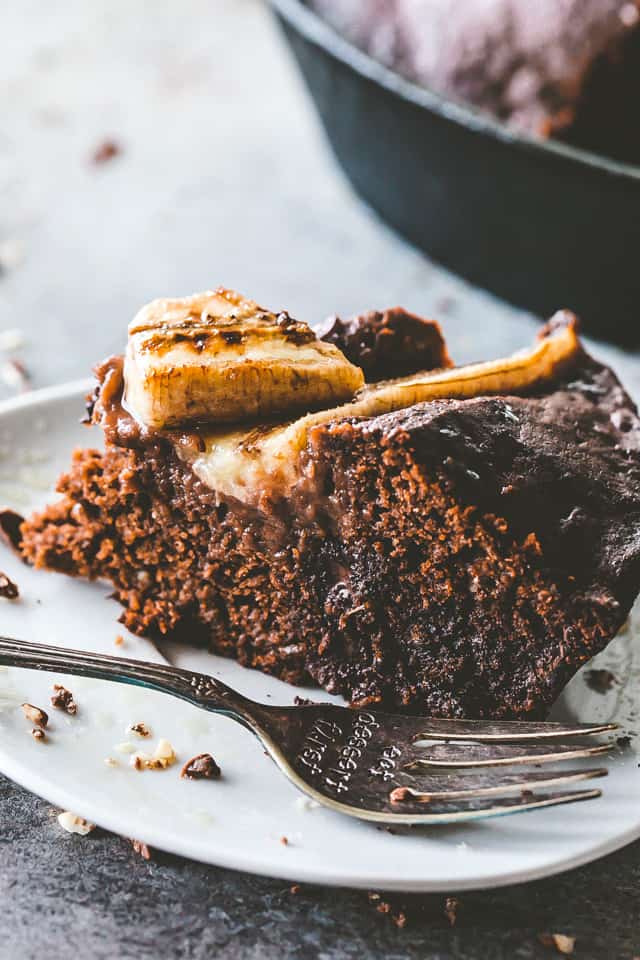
{"points": [[458, 556]]}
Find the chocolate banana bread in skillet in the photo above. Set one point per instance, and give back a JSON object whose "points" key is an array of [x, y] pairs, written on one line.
{"points": [[456, 541], [568, 69]]}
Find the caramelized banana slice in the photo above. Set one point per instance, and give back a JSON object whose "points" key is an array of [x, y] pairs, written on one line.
{"points": [[245, 463], [219, 357]]}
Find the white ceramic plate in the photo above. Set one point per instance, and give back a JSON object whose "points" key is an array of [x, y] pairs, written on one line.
{"points": [[239, 821]]}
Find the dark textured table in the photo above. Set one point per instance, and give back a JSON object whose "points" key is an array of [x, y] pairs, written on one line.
{"points": [[220, 175]]}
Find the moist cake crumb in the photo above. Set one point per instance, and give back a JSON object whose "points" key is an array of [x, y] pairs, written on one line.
{"points": [[600, 680], [8, 589], [62, 699], [201, 767], [10, 523]]}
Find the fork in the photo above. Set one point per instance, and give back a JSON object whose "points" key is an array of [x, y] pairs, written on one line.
{"points": [[388, 768]]}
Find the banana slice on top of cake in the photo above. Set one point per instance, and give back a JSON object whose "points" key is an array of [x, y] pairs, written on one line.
{"points": [[455, 541], [219, 357]]}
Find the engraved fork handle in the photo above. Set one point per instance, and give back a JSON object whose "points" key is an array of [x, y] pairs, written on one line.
{"points": [[196, 688]]}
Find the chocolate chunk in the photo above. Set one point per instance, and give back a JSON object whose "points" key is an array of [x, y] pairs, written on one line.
{"points": [[202, 767], [8, 588], [10, 523], [388, 343]]}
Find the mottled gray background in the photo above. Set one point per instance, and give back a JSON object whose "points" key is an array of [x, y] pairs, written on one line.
{"points": [[223, 177]]}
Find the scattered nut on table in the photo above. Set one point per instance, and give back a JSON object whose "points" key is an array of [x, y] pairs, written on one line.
{"points": [[72, 823]]}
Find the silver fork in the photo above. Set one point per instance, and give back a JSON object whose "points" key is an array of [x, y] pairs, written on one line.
{"points": [[388, 768]]}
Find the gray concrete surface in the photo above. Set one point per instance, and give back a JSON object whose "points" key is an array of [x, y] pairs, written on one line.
{"points": [[223, 177]]}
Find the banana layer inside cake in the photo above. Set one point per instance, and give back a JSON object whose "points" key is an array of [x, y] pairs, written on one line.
{"points": [[245, 463], [218, 357]]}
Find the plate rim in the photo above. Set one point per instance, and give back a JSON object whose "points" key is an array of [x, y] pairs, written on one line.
{"points": [[256, 862]]}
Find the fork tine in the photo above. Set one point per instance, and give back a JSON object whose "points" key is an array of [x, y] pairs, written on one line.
{"points": [[457, 787], [496, 754], [413, 814], [489, 731]]}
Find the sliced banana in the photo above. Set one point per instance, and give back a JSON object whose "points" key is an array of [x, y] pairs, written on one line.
{"points": [[246, 463], [219, 357]]}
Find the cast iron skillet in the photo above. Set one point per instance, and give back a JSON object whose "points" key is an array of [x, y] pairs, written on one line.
{"points": [[539, 223]]}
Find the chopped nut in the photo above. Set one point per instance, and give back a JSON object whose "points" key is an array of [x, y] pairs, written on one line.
{"points": [[37, 733], [105, 151], [72, 823], [62, 699], [10, 523], [35, 715], [202, 767], [142, 848], [164, 756], [8, 589], [399, 794], [164, 753], [451, 905], [295, 889], [400, 919], [560, 941], [284, 841], [119, 640], [141, 729]]}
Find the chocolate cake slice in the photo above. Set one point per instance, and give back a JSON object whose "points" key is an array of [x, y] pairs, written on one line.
{"points": [[457, 542]]}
